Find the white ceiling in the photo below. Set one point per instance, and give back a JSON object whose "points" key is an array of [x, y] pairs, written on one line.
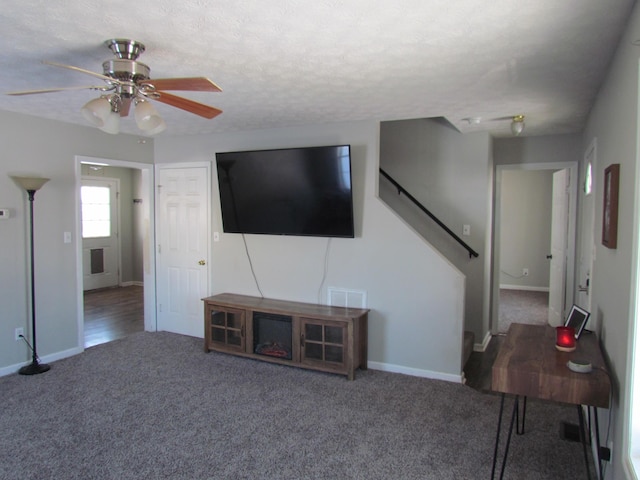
{"points": [[291, 62]]}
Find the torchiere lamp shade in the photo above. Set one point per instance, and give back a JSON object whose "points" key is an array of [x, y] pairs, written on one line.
{"points": [[30, 183]]}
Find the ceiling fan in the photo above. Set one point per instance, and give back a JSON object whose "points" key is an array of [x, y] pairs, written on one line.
{"points": [[128, 81]]}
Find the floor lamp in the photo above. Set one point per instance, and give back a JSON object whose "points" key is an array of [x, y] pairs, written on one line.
{"points": [[32, 185]]}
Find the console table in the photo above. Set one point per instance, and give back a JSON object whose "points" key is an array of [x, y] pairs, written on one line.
{"points": [[529, 365], [319, 337]]}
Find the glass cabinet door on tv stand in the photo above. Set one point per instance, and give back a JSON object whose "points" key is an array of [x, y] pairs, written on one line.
{"points": [[323, 343], [226, 329]]}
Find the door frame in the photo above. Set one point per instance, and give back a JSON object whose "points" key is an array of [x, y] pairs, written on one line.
{"points": [[571, 236], [148, 250], [587, 234]]}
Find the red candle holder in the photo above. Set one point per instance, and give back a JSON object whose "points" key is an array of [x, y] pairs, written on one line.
{"points": [[566, 339]]}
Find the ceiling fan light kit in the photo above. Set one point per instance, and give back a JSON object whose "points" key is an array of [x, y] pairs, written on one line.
{"points": [[127, 81], [147, 118], [517, 124]]}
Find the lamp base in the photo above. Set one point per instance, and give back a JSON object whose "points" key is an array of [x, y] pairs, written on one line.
{"points": [[34, 368]]}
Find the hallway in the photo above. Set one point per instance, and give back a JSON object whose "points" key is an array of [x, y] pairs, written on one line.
{"points": [[112, 313]]}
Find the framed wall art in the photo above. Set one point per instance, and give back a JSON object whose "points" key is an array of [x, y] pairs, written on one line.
{"points": [[610, 210]]}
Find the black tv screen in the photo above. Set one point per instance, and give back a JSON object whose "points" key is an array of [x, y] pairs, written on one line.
{"points": [[294, 191]]}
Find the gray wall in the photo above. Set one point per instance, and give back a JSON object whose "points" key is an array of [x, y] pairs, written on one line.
{"points": [[415, 296], [450, 174], [139, 227], [525, 228], [33, 146], [614, 123]]}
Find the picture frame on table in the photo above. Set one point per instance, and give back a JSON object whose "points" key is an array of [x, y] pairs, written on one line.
{"points": [[577, 319]]}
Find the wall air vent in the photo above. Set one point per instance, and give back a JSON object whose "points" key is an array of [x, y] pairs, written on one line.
{"points": [[341, 297]]}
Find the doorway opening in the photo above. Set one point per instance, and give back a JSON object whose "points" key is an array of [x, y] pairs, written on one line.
{"points": [[116, 277], [528, 284]]}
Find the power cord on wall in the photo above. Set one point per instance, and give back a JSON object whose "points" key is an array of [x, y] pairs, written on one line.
{"points": [[326, 269], [512, 276], [255, 278], [30, 347]]}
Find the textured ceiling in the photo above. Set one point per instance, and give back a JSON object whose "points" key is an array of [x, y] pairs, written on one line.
{"points": [[292, 62]]}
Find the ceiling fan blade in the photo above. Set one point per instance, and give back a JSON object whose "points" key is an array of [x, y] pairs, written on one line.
{"points": [[82, 70], [194, 84], [188, 105], [60, 89]]}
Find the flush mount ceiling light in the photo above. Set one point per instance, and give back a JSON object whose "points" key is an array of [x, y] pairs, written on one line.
{"points": [[517, 124], [127, 81], [473, 120]]}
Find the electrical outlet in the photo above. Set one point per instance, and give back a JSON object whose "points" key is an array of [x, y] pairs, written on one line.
{"points": [[525, 272], [19, 332]]}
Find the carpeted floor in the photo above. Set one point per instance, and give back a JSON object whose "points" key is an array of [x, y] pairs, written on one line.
{"points": [[523, 306], [155, 406]]}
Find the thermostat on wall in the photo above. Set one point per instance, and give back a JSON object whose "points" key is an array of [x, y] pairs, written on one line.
{"points": [[4, 213]]}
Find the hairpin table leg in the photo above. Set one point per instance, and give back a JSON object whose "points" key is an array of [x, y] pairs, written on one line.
{"points": [[514, 413], [583, 439]]}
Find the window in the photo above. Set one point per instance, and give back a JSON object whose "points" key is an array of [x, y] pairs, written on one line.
{"points": [[588, 179], [96, 211]]}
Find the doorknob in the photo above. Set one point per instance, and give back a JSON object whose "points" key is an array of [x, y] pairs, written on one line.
{"points": [[202, 262]]}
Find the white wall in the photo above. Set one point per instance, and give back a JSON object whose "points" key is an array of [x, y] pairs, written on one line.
{"points": [[32, 146], [525, 228], [614, 123], [415, 324]]}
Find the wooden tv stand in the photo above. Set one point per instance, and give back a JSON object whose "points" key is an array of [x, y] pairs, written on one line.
{"points": [[318, 337]]}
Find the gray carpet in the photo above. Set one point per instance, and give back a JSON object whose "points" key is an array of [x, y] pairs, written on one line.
{"points": [[523, 306], [155, 406]]}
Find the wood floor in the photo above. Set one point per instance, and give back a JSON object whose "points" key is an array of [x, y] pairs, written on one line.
{"points": [[516, 306], [112, 313], [477, 370]]}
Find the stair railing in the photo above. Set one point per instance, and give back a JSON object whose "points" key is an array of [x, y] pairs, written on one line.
{"points": [[402, 190]]}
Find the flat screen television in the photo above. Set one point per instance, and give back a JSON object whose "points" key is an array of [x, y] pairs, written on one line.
{"points": [[293, 191]]}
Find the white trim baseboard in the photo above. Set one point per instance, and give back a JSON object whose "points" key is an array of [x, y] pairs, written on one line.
{"points": [[415, 372], [132, 283], [481, 347], [46, 359], [524, 287]]}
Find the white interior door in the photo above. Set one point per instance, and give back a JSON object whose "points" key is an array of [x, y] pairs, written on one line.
{"points": [[559, 235], [183, 248], [100, 248], [587, 244]]}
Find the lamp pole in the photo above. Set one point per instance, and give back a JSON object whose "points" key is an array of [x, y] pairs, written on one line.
{"points": [[35, 366], [31, 185]]}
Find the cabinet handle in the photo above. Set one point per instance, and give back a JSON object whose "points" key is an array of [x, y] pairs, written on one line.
{"points": [[242, 331], [302, 339]]}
